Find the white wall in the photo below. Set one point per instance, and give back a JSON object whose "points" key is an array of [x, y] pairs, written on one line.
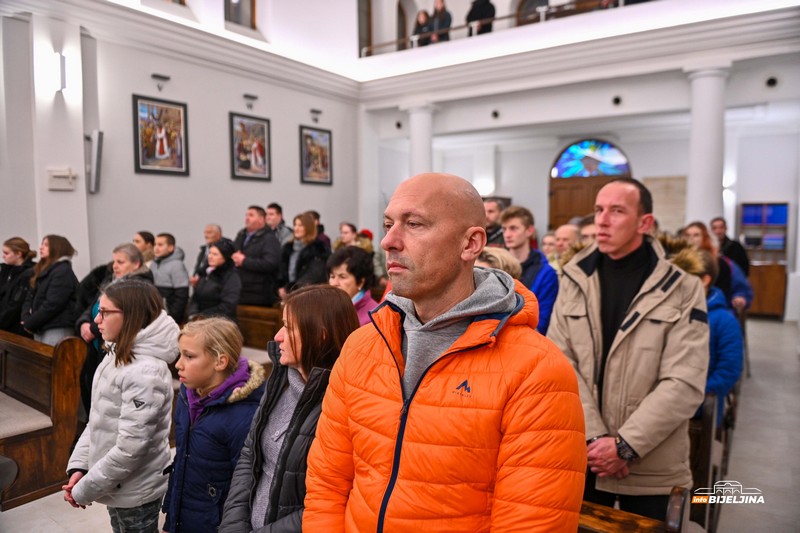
{"points": [[44, 128], [654, 158], [17, 210], [129, 202]]}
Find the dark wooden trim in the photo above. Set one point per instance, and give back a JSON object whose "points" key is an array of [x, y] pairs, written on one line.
{"points": [[41, 455]]}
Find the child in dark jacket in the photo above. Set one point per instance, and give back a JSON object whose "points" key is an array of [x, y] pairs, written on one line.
{"points": [[725, 340], [220, 392]]}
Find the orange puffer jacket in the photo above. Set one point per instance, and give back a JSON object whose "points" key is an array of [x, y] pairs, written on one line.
{"points": [[492, 438]]}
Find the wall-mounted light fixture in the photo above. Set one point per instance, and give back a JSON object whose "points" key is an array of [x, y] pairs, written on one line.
{"points": [[62, 78], [315, 113], [161, 79], [249, 100]]}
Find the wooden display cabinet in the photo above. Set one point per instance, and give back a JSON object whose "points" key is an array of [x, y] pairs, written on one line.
{"points": [[763, 228]]}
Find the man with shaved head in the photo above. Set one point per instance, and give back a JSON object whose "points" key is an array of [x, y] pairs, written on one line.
{"points": [[449, 411]]}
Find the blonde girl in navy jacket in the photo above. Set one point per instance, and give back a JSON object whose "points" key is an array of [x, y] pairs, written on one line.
{"points": [[220, 392]]}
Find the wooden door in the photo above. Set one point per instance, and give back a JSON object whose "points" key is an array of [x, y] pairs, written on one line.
{"points": [[573, 197], [769, 289]]}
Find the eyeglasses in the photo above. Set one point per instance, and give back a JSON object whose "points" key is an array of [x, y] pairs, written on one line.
{"points": [[103, 312]]}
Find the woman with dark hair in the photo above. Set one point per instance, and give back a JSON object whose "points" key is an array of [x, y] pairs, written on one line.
{"points": [[145, 242], [49, 309], [121, 456], [351, 270], [15, 277], [217, 292], [303, 258], [423, 26], [268, 486]]}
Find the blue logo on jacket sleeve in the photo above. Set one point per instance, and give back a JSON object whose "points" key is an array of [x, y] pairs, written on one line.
{"points": [[464, 387]]}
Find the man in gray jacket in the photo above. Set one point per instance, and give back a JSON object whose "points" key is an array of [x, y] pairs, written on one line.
{"points": [[635, 328], [170, 276]]}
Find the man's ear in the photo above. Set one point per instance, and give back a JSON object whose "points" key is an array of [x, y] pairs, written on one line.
{"points": [[646, 223], [474, 242], [529, 231]]}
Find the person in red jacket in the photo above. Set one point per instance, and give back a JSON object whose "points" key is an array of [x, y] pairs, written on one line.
{"points": [[449, 411]]}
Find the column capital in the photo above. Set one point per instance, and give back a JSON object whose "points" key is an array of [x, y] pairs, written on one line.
{"points": [[708, 68], [418, 106]]}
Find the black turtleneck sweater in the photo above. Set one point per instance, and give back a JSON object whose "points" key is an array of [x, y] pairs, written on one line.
{"points": [[620, 281]]}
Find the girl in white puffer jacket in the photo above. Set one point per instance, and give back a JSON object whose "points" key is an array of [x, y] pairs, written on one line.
{"points": [[122, 454]]}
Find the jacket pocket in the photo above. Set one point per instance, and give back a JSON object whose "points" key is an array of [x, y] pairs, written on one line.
{"points": [[664, 314], [574, 309]]}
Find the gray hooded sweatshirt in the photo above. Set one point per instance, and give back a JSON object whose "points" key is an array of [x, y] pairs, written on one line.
{"points": [[423, 344]]}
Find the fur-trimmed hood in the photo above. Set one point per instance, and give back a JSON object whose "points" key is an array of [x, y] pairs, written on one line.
{"points": [[677, 251], [257, 377]]}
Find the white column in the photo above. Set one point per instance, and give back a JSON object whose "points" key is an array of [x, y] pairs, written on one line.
{"points": [[420, 124], [706, 144], [370, 205]]}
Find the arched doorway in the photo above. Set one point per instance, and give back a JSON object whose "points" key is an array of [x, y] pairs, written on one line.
{"points": [[580, 170]]}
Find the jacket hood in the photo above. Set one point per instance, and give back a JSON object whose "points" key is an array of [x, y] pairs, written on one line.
{"points": [[716, 299], [494, 294], [159, 339], [677, 251], [254, 382], [176, 255]]}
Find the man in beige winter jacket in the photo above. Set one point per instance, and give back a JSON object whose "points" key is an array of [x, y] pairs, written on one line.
{"points": [[635, 328]]}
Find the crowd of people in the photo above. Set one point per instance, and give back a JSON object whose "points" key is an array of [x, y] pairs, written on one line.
{"points": [[434, 27], [504, 378]]}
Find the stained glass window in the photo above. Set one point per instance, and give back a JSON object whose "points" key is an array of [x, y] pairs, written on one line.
{"points": [[590, 157]]}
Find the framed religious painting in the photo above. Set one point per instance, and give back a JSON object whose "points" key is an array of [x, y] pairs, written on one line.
{"points": [[315, 156], [249, 147], [160, 136]]}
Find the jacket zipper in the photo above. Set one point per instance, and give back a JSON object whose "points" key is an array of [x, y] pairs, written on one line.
{"points": [[591, 330], [401, 431]]}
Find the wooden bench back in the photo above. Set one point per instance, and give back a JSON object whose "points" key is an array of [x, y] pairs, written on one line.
{"points": [[26, 371], [258, 324], [601, 519], [45, 378]]}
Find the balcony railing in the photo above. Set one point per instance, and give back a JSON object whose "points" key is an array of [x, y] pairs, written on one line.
{"points": [[540, 14]]}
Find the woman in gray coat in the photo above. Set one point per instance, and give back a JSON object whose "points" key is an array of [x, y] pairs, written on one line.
{"points": [[268, 486]]}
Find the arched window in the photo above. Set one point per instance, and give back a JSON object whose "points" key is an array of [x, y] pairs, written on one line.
{"points": [[591, 157]]}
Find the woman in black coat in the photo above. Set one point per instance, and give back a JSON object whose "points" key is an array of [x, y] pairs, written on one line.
{"points": [[267, 491], [217, 292], [49, 309], [303, 259], [15, 278]]}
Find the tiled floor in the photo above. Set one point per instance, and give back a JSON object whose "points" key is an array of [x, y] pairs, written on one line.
{"points": [[767, 436], [765, 450]]}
